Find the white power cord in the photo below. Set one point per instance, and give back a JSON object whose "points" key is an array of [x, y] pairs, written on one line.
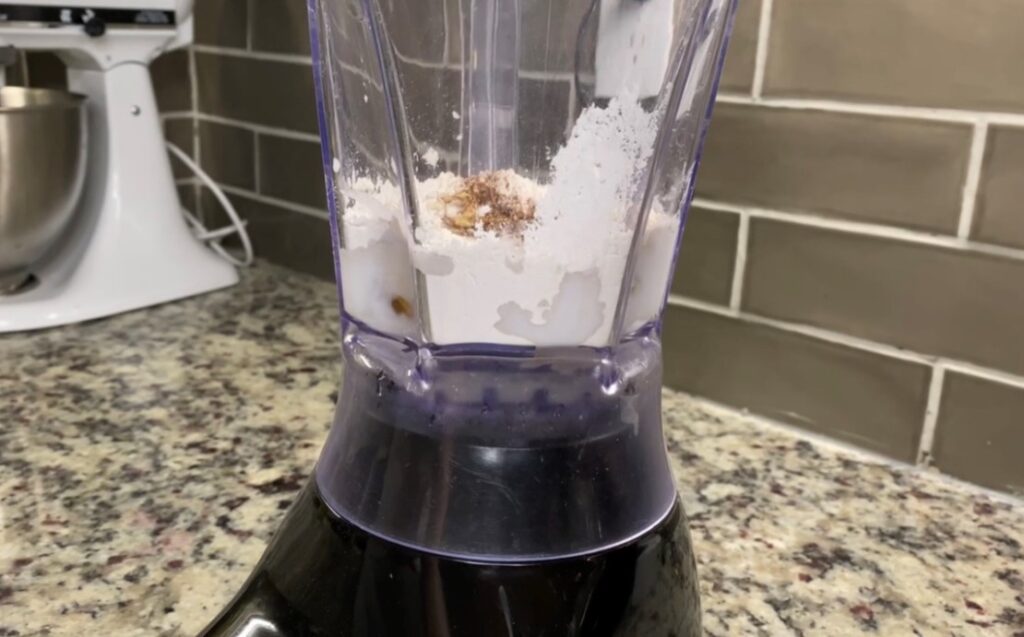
{"points": [[213, 237]]}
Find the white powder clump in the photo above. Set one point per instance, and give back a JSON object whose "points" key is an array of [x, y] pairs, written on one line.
{"points": [[376, 270], [504, 259], [595, 176], [431, 157]]}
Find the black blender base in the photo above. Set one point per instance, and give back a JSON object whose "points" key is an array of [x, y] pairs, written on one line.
{"points": [[321, 576]]}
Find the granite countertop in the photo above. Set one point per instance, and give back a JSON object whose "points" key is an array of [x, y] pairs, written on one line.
{"points": [[145, 460]]}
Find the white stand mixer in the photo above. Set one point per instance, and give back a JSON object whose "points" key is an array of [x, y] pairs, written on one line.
{"points": [[129, 246]]}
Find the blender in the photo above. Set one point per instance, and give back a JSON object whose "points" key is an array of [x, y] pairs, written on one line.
{"points": [[508, 182]]}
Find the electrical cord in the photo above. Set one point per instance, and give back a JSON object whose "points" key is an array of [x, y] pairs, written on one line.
{"points": [[213, 237]]}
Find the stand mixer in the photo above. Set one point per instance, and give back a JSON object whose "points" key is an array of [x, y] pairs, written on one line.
{"points": [[496, 464], [128, 246]]}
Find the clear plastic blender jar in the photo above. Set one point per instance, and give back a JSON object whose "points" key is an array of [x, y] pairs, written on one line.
{"points": [[508, 183]]}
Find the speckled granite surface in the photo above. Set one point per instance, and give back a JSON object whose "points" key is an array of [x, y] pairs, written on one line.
{"points": [[145, 460]]}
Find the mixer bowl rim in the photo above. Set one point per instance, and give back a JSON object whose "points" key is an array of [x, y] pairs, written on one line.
{"points": [[38, 99]]}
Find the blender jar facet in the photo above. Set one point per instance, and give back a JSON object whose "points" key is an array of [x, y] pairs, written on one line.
{"points": [[508, 181], [512, 172]]}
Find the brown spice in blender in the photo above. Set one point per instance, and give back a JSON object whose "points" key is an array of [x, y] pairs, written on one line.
{"points": [[486, 200], [401, 306]]}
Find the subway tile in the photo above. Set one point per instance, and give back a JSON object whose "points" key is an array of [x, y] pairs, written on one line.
{"points": [[550, 44], [14, 75], [708, 255], [228, 154], [939, 301], [46, 70], [171, 81], [280, 26], [263, 92], [999, 217], [861, 397], [362, 106], [738, 72], [980, 432], [429, 127], [292, 239], [543, 117], [179, 131], [213, 216], [223, 22], [454, 18], [543, 121], [873, 169], [292, 170], [553, 28], [416, 29], [188, 198], [943, 53]]}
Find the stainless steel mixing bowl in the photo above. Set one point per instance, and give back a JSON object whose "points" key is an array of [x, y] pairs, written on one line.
{"points": [[43, 138]]}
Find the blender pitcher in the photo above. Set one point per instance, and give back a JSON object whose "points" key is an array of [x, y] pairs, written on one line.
{"points": [[508, 182]]}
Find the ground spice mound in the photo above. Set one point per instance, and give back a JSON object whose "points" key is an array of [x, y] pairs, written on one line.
{"points": [[488, 201]]}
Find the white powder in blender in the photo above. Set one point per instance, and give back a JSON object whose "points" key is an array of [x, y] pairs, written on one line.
{"points": [[504, 259]]}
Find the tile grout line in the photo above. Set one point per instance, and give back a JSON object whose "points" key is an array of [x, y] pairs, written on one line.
{"points": [[931, 416], [444, 16], [830, 336], [986, 373], [248, 24], [865, 229], [862, 454], [168, 116], [880, 110], [259, 128], [287, 58], [291, 206], [739, 268], [529, 74], [761, 53], [854, 342], [971, 182]]}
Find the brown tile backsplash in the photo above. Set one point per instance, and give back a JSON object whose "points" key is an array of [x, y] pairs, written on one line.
{"points": [[863, 398], [172, 82], [224, 22], [291, 169], [428, 127], [300, 241], [560, 28], [258, 91], [543, 123], [706, 260], [881, 170], [980, 432], [46, 70], [416, 29], [945, 53], [822, 165], [188, 197], [999, 216], [227, 153], [180, 132], [738, 73], [280, 26], [932, 300], [556, 56]]}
